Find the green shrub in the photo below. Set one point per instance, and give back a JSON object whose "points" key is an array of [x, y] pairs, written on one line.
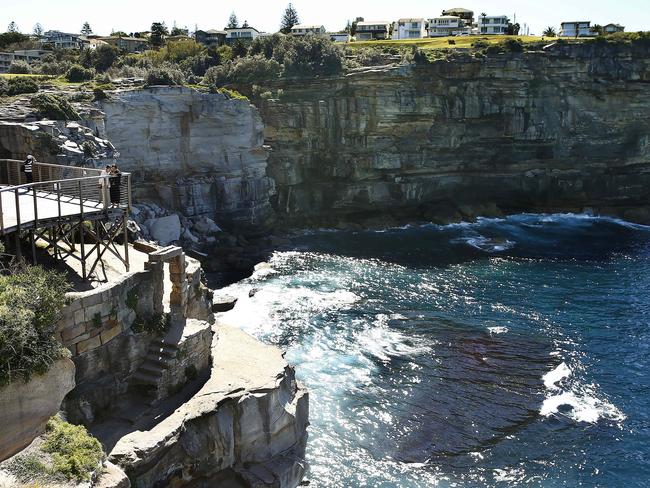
{"points": [[31, 300], [77, 74], [53, 67], [75, 453], [18, 86], [19, 67], [54, 107], [232, 94], [164, 75], [300, 56], [243, 70], [480, 44], [99, 94], [4, 87], [104, 57]]}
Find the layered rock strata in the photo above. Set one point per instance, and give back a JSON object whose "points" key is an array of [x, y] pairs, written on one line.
{"points": [[563, 129], [198, 154], [246, 425]]}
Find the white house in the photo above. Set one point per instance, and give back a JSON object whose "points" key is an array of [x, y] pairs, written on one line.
{"points": [[377, 29], [447, 25], [576, 29], [612, 28], [410, 29], [245, 34], [304, 30], [493, 24], [63, 40], [340, 37]]}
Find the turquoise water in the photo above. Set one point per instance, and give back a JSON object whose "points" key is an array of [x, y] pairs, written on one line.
{"points": [[499, 353]]}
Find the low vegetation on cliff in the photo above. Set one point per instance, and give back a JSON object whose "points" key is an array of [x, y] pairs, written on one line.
{"points": [[31, 299], [66, 453]]}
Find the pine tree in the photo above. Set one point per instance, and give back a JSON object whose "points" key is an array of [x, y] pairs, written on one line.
{"points": [[289, 19], [158, 33], [86, 30], [233, 23], [13, 27], [245, 25], [38, 29]]}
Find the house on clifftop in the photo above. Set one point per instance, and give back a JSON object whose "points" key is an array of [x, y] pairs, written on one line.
{"points": [[375, 30], [410, 29]]}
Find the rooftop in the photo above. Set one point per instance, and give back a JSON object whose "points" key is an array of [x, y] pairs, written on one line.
{"points": [[306, 26], [375, 22], [459, 9]]}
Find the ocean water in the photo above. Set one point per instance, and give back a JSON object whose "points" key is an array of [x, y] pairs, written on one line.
{"points": [[505, 352]]}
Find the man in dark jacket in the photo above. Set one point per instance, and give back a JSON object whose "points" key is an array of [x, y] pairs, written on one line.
{"points": [[28, 169]]}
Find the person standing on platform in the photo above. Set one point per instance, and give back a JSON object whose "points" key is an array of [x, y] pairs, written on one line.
{"points": [[115, 184], [28, 169]]}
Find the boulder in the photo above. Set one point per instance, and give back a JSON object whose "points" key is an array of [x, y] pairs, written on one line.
{"points": [[25, 408], [165, 229]]}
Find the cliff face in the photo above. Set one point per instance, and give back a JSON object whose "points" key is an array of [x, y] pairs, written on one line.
{"points": [[563, 129], [195, 153], [245, 427]]}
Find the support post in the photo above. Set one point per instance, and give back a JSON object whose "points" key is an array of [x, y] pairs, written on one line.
{"points": [[126, 241]]}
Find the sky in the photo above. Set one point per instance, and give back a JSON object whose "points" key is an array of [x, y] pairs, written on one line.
{"points": [[137, 15]]}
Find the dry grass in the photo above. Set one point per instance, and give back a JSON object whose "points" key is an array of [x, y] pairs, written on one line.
{"points": [[443, 42]]}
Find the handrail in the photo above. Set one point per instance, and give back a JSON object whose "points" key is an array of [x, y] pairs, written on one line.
{"points": [[85, 189]]}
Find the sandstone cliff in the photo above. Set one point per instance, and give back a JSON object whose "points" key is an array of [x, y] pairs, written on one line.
{"points": [[198, 154], [246, 426], [563, 129]]}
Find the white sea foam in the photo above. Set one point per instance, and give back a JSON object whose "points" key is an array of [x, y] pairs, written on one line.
{"points": [[498, 330], [580, 402], [553, 377]]}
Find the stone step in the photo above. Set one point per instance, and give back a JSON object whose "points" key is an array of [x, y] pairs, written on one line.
{"points": [[146, 378], [162, 351], [157, 358], [152, 368], [162, 343]]}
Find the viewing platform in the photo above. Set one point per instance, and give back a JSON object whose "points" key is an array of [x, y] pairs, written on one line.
{"points": [[66, 207]]}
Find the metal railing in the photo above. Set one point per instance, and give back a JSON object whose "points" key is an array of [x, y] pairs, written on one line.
{"points": [[58, 192]]}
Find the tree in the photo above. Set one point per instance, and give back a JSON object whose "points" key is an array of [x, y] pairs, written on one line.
{"points": [[239, 49], [104, 57], [597, 29], [177, 31], [158, 33], [12, 27], [38, 29], [245, 25], [289, 19], [549, 32], [86, 29], [119, 34], [233, 23], [513, 29]]}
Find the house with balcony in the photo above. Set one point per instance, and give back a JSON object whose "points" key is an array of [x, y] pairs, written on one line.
{"points": [[613, 28], [374, 30], [493, 24], [127, 44], [410, 29], [210, 38], [64, 40], [448, 25], [580, 28], [244, 34], [30, 56], [463, 13], [308, 30]]}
